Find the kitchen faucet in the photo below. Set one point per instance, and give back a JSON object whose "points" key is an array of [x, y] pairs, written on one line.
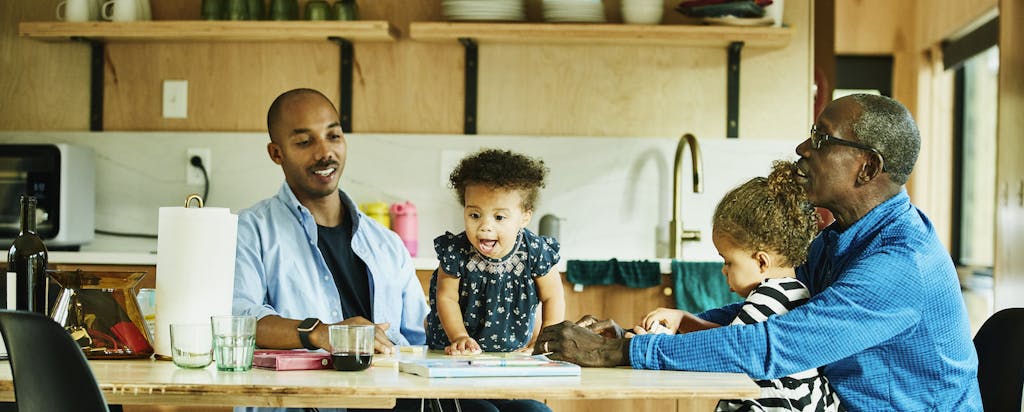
{"points": [[676, 234]]}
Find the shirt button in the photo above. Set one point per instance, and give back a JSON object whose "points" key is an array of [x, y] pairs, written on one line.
{"points": [[327, 277], [335, 314]]}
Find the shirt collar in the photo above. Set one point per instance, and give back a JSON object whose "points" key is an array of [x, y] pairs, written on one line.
{"points": [[868, 225], [300, 212]]}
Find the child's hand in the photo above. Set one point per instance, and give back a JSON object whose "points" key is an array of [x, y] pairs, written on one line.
{"points": [[464, 345], [662, 317], [525, 349]]}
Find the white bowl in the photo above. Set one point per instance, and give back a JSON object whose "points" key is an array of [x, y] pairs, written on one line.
{"points": [[642, 15], [642, 3]]}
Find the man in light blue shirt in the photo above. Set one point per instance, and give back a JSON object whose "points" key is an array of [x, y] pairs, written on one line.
{"points": [[886, 322], [308, 257]]}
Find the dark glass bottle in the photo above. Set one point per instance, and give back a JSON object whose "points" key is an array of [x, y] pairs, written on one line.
{"points": [[26, 262]]}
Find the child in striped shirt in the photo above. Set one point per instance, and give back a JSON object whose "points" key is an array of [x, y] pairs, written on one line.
{"points": [[762, 229]]}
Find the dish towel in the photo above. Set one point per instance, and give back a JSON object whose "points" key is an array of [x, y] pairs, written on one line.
{"points": [[700, 286], [635, 274]]}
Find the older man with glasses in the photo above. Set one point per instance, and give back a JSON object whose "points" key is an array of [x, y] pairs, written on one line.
{"points": [[886, 322]]}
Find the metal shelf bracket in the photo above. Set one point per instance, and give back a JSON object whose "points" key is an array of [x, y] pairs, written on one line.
{"points": [[95, 82], [346, 82], [732, 104], [472, 60]]}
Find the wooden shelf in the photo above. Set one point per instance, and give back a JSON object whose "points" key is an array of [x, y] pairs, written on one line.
{"points": [[627, 34], [201, 30]]}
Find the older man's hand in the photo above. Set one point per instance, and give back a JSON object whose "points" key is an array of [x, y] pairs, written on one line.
{"points": [[570, 342], [607, 328]]}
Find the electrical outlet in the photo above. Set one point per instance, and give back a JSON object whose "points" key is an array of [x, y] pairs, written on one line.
{"points": [[175, 99], [194, 176]]}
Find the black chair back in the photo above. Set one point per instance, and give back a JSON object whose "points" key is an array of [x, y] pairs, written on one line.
{"points": [[1000, 346], [50, 371]]}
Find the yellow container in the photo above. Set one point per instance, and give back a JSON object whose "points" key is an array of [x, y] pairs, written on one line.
{"points": [[377, 211]]}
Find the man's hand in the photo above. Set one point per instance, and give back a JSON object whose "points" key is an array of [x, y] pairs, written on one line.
{"points": [[570, 342], [381, 343], [607, 328]]}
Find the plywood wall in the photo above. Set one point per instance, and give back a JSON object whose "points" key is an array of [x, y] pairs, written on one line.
{"points": [[412, 87], [42, 85]]}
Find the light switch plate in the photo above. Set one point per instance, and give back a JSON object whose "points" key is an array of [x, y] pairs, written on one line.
{"points": [[175, 99]]}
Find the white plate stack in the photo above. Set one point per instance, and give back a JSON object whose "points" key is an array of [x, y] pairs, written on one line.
{"points": [[483, 10], [574, 11]]}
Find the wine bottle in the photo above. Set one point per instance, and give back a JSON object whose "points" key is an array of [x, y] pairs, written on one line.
{"points": [[26, 279]]}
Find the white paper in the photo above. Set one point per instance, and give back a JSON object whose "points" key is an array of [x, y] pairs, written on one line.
{"points": [[195, 268]]}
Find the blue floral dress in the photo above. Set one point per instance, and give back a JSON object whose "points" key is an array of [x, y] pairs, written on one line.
{"points": [[498, 297]]}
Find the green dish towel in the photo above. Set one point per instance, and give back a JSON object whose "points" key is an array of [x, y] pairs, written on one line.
{"points": [[700, 286], [635, 274]]}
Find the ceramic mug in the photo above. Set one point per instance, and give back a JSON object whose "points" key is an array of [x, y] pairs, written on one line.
{"points": [[75, 10], [121, 10], [145, 11]]}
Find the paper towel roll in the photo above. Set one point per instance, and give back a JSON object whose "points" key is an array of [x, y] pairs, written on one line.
{"points": [[195, 268]]}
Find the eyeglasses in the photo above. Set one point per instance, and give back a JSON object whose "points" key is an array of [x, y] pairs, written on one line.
{"points": [[819, 139]]}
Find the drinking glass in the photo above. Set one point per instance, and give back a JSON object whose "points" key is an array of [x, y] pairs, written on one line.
{"points": [[283, 10], [191, 345], [234, 340], [213, 10], [236, 10], [351, 346], [317, 10]]}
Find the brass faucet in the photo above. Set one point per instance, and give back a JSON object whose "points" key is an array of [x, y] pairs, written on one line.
{"points": [[676, 234]]}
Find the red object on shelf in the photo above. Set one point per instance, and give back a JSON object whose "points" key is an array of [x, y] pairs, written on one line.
{"points": [[289, 360]]}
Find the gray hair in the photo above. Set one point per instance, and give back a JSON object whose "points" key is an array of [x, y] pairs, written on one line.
{"points": [[887, 125]]}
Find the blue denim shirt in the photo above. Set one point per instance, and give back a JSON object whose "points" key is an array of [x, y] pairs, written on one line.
{"points": [[280, 271], [886, 322]]}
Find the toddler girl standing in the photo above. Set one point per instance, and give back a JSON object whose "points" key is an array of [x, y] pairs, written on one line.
{"points": [[484, 294]]}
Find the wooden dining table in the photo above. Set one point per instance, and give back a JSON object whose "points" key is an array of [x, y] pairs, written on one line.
{"points": [[158, 382]]}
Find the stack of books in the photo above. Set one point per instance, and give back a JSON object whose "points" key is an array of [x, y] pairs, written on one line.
{"points": [[485, 366]]}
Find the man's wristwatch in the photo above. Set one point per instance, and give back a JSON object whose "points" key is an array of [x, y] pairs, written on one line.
{"points": [[307, 326]]}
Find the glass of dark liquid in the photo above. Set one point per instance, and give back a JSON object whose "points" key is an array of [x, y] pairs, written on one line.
{"points": [[351, 346]]}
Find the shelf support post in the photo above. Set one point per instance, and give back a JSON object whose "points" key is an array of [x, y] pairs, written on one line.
{"points": [[346, 81], [472, 60], [732, 104], [95, 82]]}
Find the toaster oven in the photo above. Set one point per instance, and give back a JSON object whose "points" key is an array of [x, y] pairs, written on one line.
{"points": [[62, 177]]}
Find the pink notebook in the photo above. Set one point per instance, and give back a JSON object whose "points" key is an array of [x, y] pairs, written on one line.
{"points": [[289, 360]]}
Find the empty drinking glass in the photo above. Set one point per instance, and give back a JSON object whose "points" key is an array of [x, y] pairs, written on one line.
{"points": [[234, 340]]}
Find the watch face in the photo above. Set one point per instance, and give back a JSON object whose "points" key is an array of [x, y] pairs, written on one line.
{"points": [[308, 324]]}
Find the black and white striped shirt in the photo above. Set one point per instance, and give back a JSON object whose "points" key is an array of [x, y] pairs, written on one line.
{"points": [[802, 391]]}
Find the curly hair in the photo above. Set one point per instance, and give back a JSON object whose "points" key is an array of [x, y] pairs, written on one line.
{"points": [[769, 214], [500, 169]]}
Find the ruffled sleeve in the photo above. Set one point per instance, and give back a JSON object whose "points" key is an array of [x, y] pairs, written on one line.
{"points": [[450, 250], [543, 252]]}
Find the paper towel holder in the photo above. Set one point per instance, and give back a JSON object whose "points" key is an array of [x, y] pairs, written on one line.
{"points": [[196, 197]]}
